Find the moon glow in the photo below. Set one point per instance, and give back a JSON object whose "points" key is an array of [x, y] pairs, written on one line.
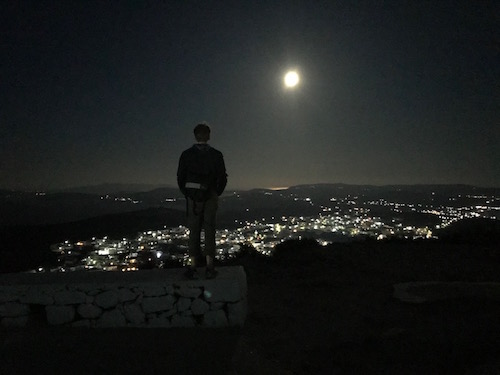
{"points": [[291, 79]]}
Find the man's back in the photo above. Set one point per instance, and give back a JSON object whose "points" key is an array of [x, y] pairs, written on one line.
{"points": [[204, 165]]}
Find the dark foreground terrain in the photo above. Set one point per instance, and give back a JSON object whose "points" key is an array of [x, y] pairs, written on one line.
{"points": [[312, 310]]}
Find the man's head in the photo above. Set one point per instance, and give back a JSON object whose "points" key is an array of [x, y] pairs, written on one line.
{"points": [[202, 133]]}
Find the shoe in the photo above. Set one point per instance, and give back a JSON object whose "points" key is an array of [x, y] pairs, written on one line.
{"points": [[210, 273], [191, 274]]}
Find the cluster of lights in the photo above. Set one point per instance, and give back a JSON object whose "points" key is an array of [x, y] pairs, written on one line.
{"points": [[265, 234]]}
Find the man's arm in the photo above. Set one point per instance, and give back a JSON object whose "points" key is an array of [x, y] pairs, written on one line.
{"points": [[181, 174], [221, 174]]}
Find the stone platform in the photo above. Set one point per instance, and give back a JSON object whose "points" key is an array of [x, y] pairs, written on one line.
{"points": [[148, 298]]}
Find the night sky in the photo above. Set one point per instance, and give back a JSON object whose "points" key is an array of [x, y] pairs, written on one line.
{"points": [[390, 92]]}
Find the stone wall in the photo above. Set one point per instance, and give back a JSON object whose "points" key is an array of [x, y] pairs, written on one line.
{"points": [[152, 298]]}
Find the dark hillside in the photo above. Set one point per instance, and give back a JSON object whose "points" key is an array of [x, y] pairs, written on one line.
{"points": [[26, 247], [33, 209], [111, 188], [485, 231], [331, 310]]}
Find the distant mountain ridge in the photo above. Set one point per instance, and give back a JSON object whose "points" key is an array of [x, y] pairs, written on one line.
{"points": [[118, 188], [21, 208], [460, 188], [112, 188]]}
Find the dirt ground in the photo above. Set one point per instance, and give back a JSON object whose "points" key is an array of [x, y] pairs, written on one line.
{"points": [[335, 312], [312, 310]]}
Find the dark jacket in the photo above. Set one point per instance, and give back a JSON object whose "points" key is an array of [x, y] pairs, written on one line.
{"points": [[202, 159]]}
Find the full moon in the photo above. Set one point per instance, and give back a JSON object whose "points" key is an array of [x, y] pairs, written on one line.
{"points": [[291, 79]]}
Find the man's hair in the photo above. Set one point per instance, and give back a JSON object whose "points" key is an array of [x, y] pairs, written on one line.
{"points": [[202, 132]]}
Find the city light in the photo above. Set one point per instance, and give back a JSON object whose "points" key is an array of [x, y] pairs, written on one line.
{"points": [[345, 219]]}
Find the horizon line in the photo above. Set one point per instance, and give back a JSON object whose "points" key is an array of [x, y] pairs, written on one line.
{"points": [[273, 188]]}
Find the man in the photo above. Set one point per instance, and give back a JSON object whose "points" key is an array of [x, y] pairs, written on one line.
{"points": [[202, 178]]}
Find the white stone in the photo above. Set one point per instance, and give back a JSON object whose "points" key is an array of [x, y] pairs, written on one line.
{"points": [[182, 321], [169, 289], [170, 312], [15, 322], [126, 295], [94, 292], [154, 291], [87, 288], [107, 299], [52, 289], [183, 304], [160, 322], [214, 306], [207, 294], [134, 314], [69, 297], [8, 296], [14, 290], [60, 314], [199, 307], [237, 313], [113, 318], [189, 292], [13, 309], [89, 311], [162, 299], [137, 290], [215, 319], [156, 304], [37, 297], [226, 290]]}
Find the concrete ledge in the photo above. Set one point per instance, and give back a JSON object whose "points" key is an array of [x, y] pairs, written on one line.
{"points": [[152, 298]]}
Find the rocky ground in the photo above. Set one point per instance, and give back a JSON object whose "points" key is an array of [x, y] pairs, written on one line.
{"points": [[312, 310], [335, 312]]}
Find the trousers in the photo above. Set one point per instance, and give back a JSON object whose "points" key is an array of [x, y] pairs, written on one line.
{"points": [[202, 216]]}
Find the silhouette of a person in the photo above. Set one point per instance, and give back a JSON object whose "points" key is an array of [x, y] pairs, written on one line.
{"points": [[202, 178]]}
